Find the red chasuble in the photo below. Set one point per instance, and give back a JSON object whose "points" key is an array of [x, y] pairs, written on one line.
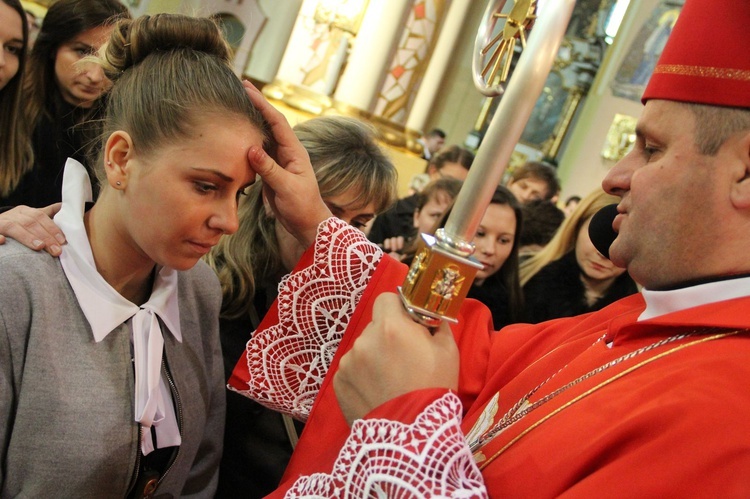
{"points": [[620, 408]]}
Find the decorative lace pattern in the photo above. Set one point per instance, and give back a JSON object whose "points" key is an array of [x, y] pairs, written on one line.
{"points": [[383, 458], [288, 361]]}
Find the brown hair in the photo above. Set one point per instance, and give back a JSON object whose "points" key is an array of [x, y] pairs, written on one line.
{"points": [[453, 154], [166, 71], [442, 189], [508, 273], [64, 20], [540, 171]]}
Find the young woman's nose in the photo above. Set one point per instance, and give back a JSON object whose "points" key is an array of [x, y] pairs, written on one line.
{"points": [[485, 247], [226, 218]]}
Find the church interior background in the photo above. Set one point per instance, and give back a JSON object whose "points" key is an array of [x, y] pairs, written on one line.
{"points": [[405, 66]]}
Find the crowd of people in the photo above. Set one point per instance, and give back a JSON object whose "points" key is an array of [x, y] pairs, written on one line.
{"points": [[573, 369]]}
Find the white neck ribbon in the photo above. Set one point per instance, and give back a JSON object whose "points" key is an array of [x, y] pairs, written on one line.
{"points": [[105, 309]]}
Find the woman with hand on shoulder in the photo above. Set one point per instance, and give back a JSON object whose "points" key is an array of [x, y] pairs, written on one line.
{"points": [[15, 145], [61, 94], [569, 276], [357, 181], [111, 381]]}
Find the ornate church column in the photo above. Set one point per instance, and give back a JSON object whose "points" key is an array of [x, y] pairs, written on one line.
{"points": [[257, 30], [390, 89], [439, 60], [371, 55], [272, 39]]}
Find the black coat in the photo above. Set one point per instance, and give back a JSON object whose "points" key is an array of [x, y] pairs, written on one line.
{"points": [[557, 291], [256, 445], [67, 134], [494, 295], [396, 221]]}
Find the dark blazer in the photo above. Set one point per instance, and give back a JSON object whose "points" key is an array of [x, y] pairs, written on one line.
{"points": [[494, 295]]}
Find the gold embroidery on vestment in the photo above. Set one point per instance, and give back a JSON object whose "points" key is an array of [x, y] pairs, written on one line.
{"points": [[705, 71]]}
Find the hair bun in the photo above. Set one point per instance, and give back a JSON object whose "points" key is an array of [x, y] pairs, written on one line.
{"points": [[134, 40]]}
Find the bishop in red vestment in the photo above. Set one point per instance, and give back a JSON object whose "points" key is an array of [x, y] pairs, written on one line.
{"points": [[648, 397]]}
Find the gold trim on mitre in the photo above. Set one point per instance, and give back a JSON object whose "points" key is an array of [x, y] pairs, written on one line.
{"points": [[705, 71]]}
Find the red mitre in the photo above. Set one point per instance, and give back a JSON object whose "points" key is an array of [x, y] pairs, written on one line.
{"points": [[707, 57]]}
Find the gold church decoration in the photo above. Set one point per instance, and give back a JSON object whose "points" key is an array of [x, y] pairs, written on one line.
{"points": [[620, 137], [516, 24]]}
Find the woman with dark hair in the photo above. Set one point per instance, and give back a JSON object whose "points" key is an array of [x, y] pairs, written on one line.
{"points": [[61, 93], [496, 243], [497, 284], [15, 147]]}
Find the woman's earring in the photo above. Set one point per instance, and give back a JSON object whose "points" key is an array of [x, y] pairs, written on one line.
{"points": [[109, 163], [118, 183]]}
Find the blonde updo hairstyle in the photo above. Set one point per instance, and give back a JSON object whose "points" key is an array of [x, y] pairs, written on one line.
{"points": [[167, 70]]}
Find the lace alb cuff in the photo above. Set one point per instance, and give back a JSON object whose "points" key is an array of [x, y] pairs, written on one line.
{"points": [[288, 361], [383, 458]]}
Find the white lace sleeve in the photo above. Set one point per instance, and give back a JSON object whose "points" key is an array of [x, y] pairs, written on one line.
{"points": [[382, 458], [288, 361]]}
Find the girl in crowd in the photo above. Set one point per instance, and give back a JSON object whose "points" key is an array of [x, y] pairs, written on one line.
{"points": [[497, 240], [111, 378], [357, 181], [533, 180], [15, 148], [569, 276], [61, 94], [432, 203]]}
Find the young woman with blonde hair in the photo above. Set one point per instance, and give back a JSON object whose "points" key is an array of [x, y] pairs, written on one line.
{"points": [[356, 180], [569, 276]]}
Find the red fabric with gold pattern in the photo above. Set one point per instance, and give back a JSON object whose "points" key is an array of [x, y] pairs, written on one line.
{"points": [[700, 62]]}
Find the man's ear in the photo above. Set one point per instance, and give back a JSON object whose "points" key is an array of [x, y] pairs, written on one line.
{"points": [[741, 186], [118, 151]]}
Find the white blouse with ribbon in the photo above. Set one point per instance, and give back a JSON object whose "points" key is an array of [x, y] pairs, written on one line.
{"points": [[105, 309]]}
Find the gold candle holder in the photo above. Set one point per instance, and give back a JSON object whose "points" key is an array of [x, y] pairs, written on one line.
{"points": [[438, 280]]}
